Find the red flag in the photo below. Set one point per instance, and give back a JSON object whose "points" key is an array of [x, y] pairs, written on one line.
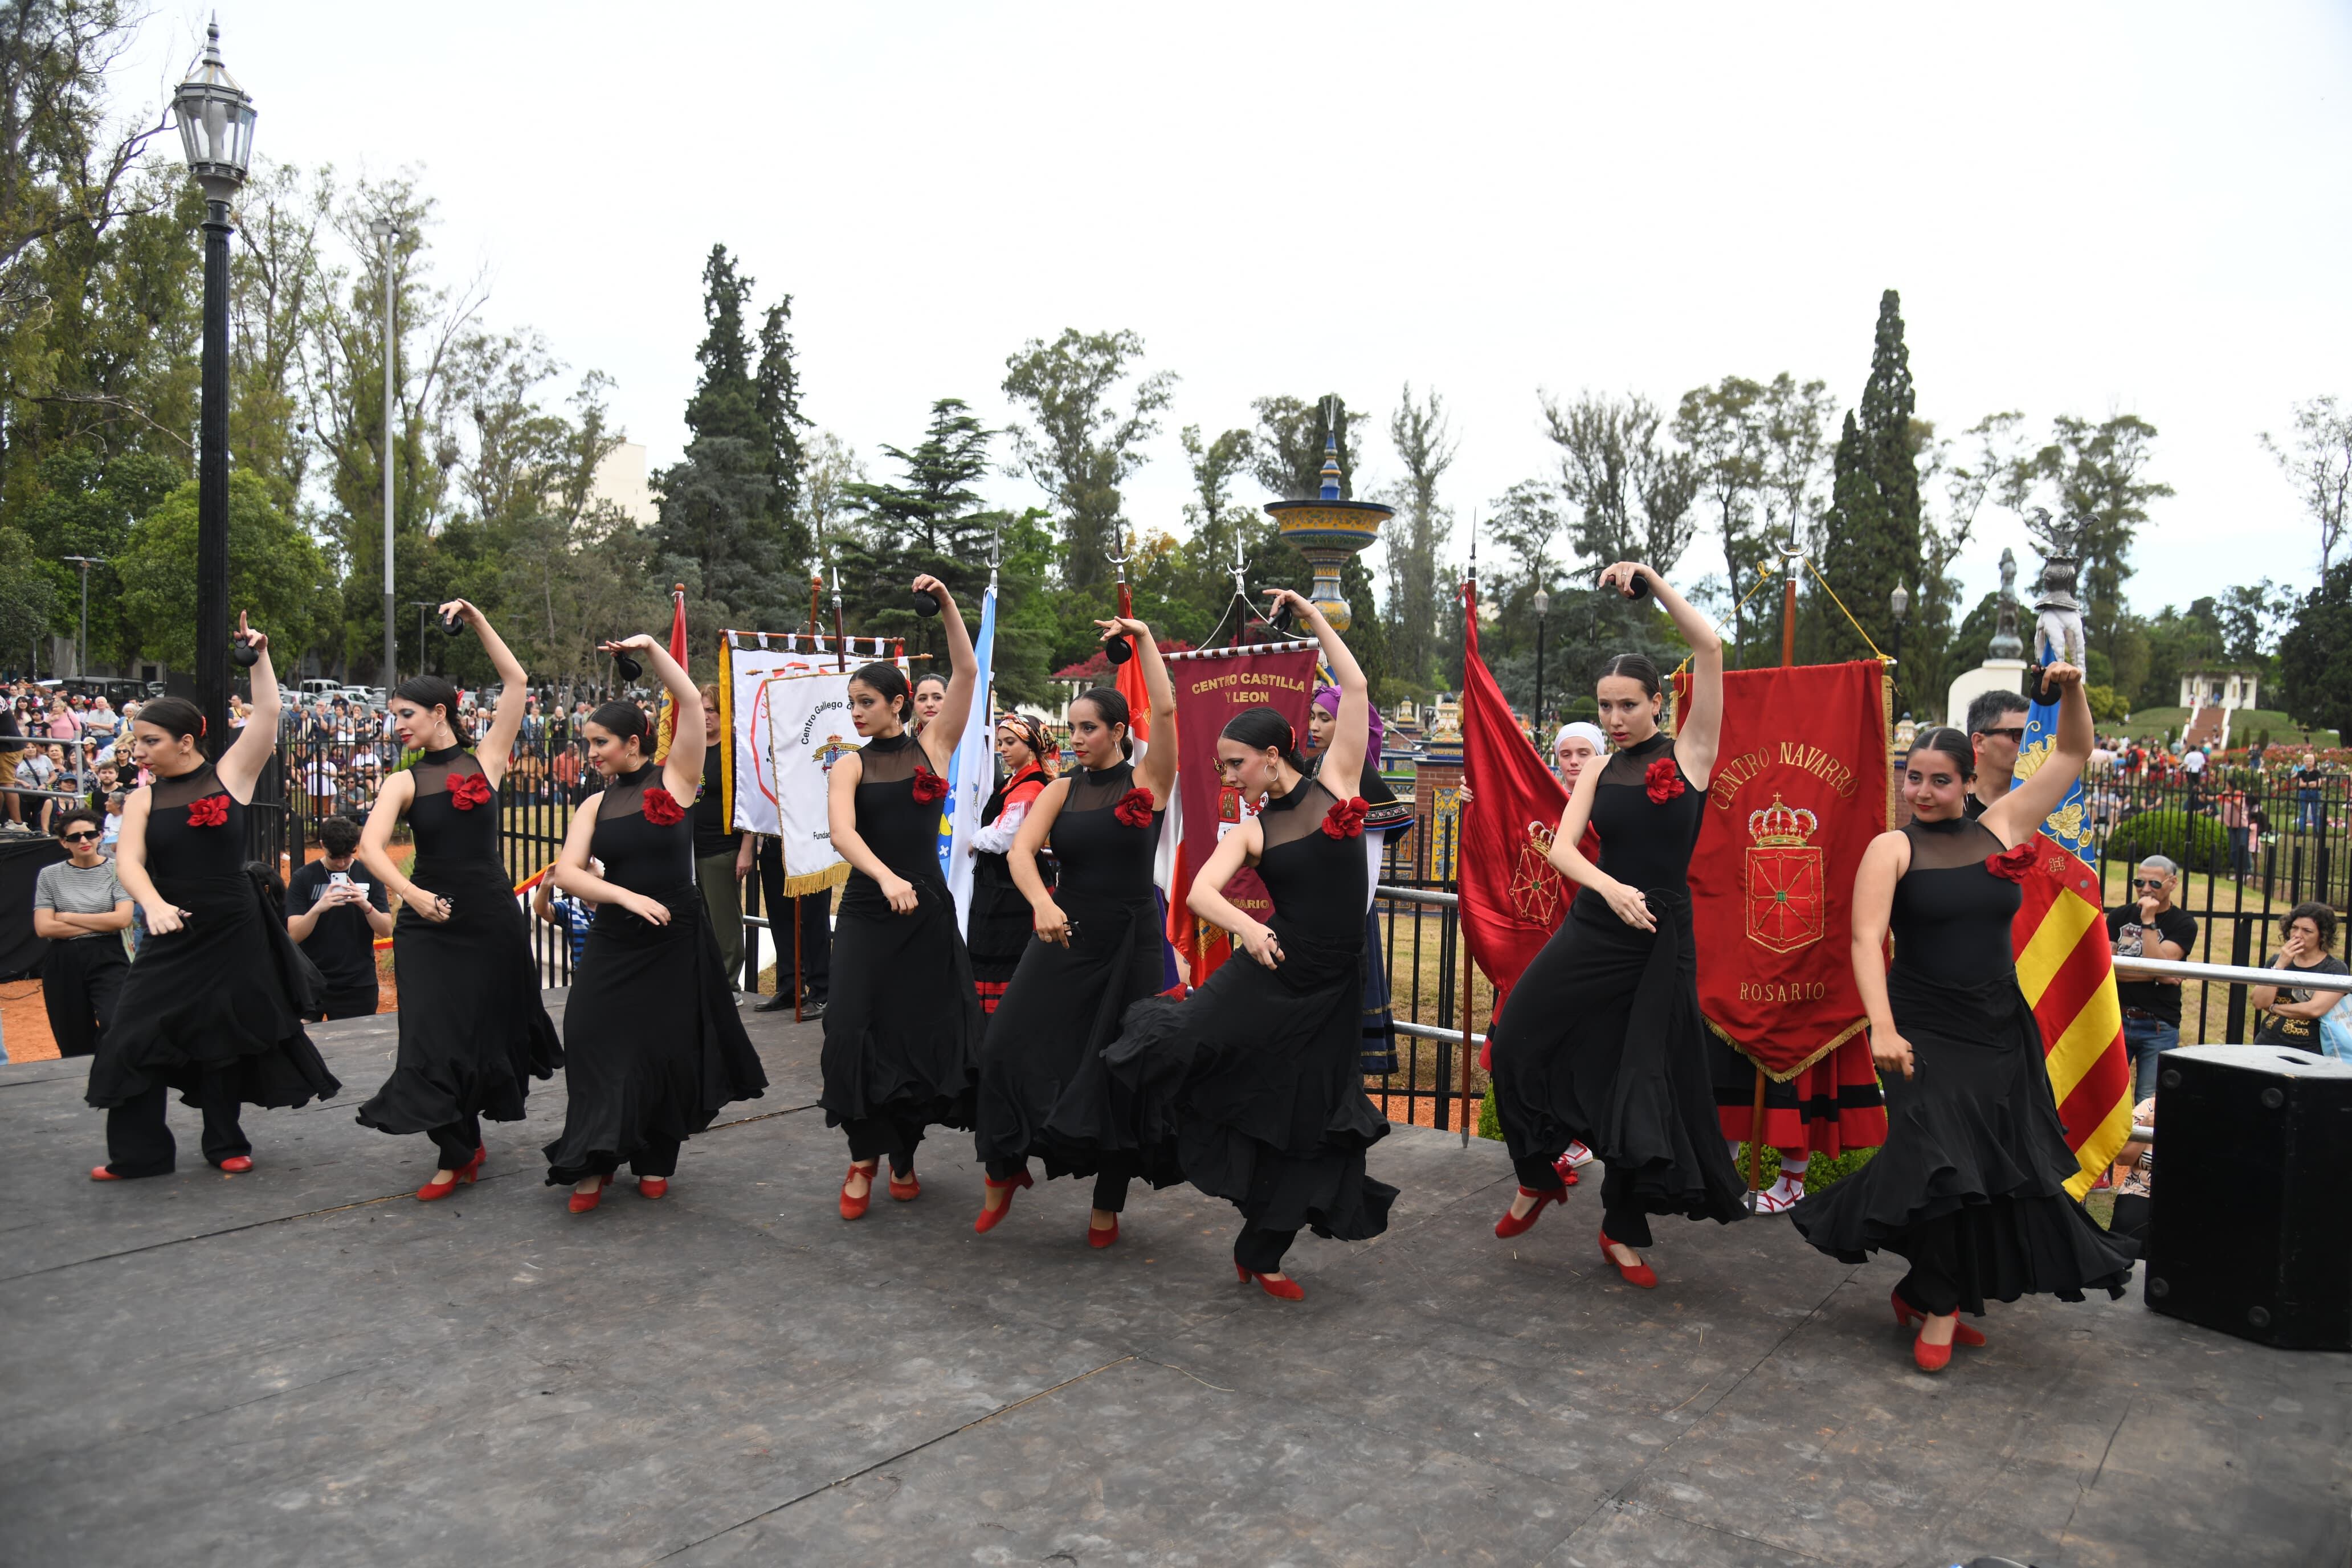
{"points": [[1212, 685], [1512, 898]]}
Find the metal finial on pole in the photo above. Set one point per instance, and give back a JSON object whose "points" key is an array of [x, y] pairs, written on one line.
{"points": [[840, 646]]}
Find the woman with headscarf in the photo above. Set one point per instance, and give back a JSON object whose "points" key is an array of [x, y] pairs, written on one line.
{"points": [[998, 930], [1385, 813]]}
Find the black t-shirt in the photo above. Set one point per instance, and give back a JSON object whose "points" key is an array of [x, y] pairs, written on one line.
{"points": [[2130, 940], [711, 832], [341, 944], [2302, 1033]]}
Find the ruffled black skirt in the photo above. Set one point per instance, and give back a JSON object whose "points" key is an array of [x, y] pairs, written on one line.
{"points": [[1603, 1043], [473, 1032], [1249, 1089], [1045, 1039], [902, 1026], [1973, 1137], [226, 992], [653, 1047]]}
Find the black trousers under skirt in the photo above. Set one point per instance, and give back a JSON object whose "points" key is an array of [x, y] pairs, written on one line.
{"points": [[140, 1140], [80, 978], [1622, 1217], [1111, 1176]]}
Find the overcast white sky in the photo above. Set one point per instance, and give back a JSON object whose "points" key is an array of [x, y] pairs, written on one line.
{"points": [[2087, 208]]}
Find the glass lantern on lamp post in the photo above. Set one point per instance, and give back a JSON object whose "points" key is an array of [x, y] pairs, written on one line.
{"points": [[1898, 605], [1543, 609], [215, 117]]}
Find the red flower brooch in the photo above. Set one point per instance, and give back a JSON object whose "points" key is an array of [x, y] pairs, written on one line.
{"points": [[1346, 817], [2012, 865], [467, 791], [210, 812], [661, 809], [1134, 808], [1665, 783], [930, 787]]}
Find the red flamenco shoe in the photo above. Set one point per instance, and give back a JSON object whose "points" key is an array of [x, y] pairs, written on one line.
{"points": [[988, 1219], [237, 1164], [1103, 1238], [908, 1191], [1640, 1274], [1906, 1314], [854, 1208], [1508, 1227], [1931, 1358], [432, 1190], [1280, 1290], [582, 1202], [101, 1174], [653, 1186]]}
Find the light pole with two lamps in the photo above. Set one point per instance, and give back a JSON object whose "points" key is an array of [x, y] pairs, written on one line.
{"points": [[81, 647], [215, 117]]}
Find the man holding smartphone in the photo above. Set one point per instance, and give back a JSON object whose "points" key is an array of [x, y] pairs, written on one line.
{"points": [[336, 918]]}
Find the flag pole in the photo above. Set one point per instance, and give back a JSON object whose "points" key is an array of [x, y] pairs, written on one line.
{"points": [[1788, 559], [1461, 929]]}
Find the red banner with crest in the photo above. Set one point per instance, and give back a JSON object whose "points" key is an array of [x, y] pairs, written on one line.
{"points": [[1212, 685], [1801, 787]]}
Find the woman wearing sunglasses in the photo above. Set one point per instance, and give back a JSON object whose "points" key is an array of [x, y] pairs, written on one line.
{"points": [[82, 910]]}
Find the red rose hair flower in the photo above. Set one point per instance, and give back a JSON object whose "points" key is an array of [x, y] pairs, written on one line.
{"points": [[467, 791], [930, 787], [2012, 865], [661, 809], [1346, 817], [1134, 808], [1664, 781], [210, 812]]}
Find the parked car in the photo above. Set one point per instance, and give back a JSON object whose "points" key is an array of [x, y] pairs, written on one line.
{"points": [[313, 690]]}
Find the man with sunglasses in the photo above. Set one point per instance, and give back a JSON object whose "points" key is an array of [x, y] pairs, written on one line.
{"points": [[2149, 926], [1997, 726], [83, 912]]}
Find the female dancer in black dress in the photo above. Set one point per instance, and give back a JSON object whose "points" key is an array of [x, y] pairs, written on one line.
{"points": [[902, 1032], [1097, 947], [1386, 815], [1603, 1042], [1971, 1185], [652, 1042], [213, 1005], [998, 931], [472, 1030], [1250, 1089]]}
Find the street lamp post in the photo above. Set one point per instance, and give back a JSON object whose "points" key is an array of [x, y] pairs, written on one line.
{"points": [[420, 607], [1543, 609], [215, 117], [81, 647], [385, 232], [1899, 602]]}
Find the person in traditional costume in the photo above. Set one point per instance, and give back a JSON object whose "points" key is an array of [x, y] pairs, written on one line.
{"points": [[997, 932]]}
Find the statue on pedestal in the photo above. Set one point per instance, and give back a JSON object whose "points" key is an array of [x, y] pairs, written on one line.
{"points": [[2058, 622], [2006, 644]]}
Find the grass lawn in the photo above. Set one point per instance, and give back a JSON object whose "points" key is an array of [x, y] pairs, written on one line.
{"points": [[2245, 726]]}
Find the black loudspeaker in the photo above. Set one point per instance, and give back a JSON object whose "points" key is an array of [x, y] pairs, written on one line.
{"points": [[2249, 1230]]}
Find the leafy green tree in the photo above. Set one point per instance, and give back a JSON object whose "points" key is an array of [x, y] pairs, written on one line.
{"points": [[1084, 439], [931, 520], [1722, 427], [1418, 432], [84, 503], [2317, 460], [275, 573], [2311, 654], [1288, 457], [2099, 474], [1632, 491]]}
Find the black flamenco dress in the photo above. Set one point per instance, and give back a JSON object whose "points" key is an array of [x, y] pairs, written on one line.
{"points": [[214, 1009], [473, 1032], [1971, 1185], [902, 1032], [1250, 1089], [1385, 814], [653, 1046], [1063, 1003], [1603, 1042], [997, 934]]}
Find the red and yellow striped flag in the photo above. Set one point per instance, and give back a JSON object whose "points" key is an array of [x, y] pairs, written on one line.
{"points": [[668, 725]]}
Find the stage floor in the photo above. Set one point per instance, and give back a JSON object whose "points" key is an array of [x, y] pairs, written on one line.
{"points": [[305, 1366]]}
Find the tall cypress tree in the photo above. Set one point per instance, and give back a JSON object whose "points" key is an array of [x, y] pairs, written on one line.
{"points": [[779, 405], [1870, 535]]}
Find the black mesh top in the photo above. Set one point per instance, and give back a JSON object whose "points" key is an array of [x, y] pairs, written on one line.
{"points": [[445, 829], [1646, 844], [639, 854], [1317, 880], [903, 832], [1951, 916], [1101, 857], [183, 844]]}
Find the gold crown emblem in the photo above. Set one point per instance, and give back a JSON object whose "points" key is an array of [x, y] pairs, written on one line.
{"points": [[1782, 824]]}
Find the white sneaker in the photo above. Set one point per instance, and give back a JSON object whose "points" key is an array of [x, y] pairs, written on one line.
{"points": [[1578, 1156]]}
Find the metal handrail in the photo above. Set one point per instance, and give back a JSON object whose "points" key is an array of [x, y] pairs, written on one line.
{"points": [[2233, 974]]}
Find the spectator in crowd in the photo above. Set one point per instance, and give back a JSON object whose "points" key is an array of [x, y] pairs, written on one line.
{"points": [[82, 912], [570, 915], [99, 723], [2308, 788], [336, 919], [1997, 726], [319, 778], [722, 857], [113, 820], [11, 756], [2291, 1014], [2150, 926], [930, 696], [2237, 823]]}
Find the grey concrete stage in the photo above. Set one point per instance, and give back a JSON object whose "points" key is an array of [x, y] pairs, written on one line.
{"points": [[306, 1366]]}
